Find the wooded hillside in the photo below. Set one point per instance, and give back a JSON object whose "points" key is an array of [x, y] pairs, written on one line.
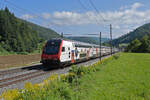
{"points": [[137, 33], [17, 35]]}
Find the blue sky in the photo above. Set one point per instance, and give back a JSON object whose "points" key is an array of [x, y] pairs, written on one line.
{"points": [[73, 17]]}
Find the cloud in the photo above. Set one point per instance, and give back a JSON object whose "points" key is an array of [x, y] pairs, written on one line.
{"points": [[124, 7], [66, 18], [116, 27], [28, 16], [127, 16], [136, 5], [121, 19], [46, 15]]}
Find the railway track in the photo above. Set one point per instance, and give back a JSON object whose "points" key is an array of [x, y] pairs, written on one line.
{"points": [[22, 77], [10, 71], [31, 72], [16, 70]]}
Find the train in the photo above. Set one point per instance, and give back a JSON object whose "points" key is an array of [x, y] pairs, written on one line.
{"points": [[62, 52]]}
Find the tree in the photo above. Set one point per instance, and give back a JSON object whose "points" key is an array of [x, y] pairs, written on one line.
{"points": [[15, 34], [145, 46], [134, 46]]}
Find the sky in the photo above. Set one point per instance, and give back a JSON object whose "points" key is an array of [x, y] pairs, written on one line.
{"points": [[82, 17]]}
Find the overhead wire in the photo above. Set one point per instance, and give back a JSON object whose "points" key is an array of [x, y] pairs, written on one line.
{"points": [[25, 10], [97, 11], [97, 20], [31, 12], [86, 9], [20, 9], [22, 12]]}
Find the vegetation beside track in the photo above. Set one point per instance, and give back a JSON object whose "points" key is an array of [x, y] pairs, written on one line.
{"points": [[121, 77]]}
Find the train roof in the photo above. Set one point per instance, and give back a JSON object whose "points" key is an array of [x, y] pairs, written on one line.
{"points": [[78, 43]]}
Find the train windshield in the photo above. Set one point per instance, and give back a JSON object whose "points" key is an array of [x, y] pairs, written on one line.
{"points": [[52, 47]]}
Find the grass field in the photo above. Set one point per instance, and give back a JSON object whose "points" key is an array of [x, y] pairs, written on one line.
{"points": [[123, 78], [127, 78]]}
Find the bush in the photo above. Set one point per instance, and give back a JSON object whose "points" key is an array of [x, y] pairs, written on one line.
{"points": [[116, 56]]}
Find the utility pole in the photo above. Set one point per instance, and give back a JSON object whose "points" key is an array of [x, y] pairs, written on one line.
{"points": [[100, 44], [111, 38], [62, 35]]}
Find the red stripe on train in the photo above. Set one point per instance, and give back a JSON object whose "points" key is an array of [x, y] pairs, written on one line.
{"points": [[60, 49], [45, 56]]}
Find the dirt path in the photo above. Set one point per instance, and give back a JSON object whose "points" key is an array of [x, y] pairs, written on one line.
{"points": [[18, 60]]}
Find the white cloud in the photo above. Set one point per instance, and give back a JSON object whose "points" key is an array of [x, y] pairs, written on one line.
{"points": [[116, 27], [121, 19], [66, 18], [130, 15], [124, 7], [136, 5], [46, 15], [28, 16], [126, 16]]}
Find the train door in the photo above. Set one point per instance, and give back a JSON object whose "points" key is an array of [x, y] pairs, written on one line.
{"points": [[63, 54], [88, 53], [72, 56], [96, 52]]}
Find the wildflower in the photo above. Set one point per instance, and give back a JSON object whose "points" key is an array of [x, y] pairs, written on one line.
{"points": [[71, 74], [41, 84], [46, 82], [22, 91], [10, 95], [28, 86], [52, 77], [82, 73], [63, 77], [36, 86]]}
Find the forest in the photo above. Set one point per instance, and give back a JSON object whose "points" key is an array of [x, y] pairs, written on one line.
{"points": [[17, 35], [139, 45]]}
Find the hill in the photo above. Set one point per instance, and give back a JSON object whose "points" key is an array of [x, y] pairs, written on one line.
{"points": [[137, 33], [93, 40], [17, 35], [44, 33]]}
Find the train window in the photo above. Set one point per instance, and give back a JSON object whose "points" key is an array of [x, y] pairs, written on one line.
{"points": [[69, 54], [68, 48], [63, 49]]}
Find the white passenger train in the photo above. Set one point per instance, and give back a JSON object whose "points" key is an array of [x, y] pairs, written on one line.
{"points": [[62, 52]]}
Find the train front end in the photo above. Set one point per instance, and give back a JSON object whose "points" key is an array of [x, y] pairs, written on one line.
{"points": [[51, 52]]}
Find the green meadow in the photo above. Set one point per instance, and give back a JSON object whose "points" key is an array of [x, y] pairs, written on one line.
{"points": [[127, 78]]}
